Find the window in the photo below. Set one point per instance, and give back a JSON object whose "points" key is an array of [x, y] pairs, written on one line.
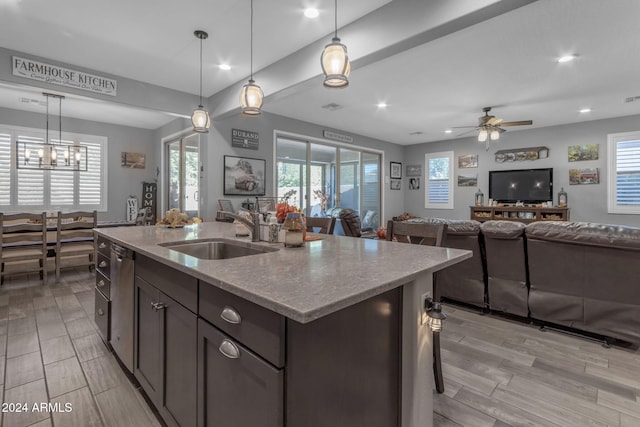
{"points": [[321, 175], [44, 190], [439, 180], [624, 173]]}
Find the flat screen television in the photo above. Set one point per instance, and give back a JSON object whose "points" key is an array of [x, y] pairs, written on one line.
{"points": [[522, 185]]}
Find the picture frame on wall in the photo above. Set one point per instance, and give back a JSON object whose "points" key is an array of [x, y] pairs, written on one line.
{"points": [[396, 184], [414, 170], [468, 161], [395, 170], [244, 176], [414, 183], [132, 160]]}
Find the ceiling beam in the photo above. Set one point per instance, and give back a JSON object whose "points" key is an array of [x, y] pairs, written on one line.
{"points": [[392, 29]]}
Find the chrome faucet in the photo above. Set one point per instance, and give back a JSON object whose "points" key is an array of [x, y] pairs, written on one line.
{"points": [[253, 225]]}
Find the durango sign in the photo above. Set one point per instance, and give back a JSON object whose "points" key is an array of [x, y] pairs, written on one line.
{"points": [[61, 76]]}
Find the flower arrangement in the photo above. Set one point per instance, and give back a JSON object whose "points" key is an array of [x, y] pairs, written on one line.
{"points": [[282, 209], [323, 197]]}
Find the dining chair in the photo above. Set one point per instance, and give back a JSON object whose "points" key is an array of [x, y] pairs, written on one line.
{"points": [[325, 225], [430, 235], [74, 237], [23, 238], [417, 233], [352, 226]]}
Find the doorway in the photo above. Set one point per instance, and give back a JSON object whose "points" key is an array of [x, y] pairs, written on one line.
{"points": [[183, 174]]}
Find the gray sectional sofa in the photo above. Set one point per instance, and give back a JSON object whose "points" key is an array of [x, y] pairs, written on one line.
{"points": [[575, 274]]}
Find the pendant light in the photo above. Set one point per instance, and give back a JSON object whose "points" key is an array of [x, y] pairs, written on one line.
{"points": [[335, 61], [251, 96], [200, 117], [61, 156]]}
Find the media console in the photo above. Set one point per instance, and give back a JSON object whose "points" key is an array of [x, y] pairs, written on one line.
{"points": [[518, 213]]}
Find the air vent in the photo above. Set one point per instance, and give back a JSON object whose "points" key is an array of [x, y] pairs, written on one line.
{"points": [[632, 99], [31, 101], [417, 133], [332, 106]]}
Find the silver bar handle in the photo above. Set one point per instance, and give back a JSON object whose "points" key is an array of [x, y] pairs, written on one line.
{"points": [[101, 283], [229, 314], [229, 349], [100, 312], [102, 245], [157, 306], [102, 264]]}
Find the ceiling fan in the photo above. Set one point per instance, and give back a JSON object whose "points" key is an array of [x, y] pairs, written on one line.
{"points": [[490, 127]]}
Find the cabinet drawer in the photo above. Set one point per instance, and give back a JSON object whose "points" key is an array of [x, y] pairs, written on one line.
{"points": [[103, 284], [179, 286], [102, 314], [257, 328], [103, 245], [103, 264], [235, 387]]}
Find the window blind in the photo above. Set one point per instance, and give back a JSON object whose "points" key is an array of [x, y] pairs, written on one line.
{"points": [[628, 173]]}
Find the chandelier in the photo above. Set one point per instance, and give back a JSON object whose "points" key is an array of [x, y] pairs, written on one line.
{"points": [[334, 60], [32, 153]]}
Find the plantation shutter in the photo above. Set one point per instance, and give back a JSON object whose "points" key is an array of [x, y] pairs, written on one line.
{"points": [[628, 173], [30, 182], [90, 185], [439, 187], [5, 169]]}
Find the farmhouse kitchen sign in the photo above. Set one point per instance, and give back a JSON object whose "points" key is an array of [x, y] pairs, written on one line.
{"points": [[244, 139], [61, 76]]}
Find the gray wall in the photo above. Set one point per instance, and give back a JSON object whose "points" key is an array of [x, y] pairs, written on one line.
{"points": [[587, 202], [122, 182], [218, 144]]}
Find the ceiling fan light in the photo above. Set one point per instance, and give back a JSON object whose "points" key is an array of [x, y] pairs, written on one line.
{"points": [[251, 98], [482, 136], [200, 120], [335, 64], [495, 134]]}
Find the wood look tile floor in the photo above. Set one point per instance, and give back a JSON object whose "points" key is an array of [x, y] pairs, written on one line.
{"points": [[497, 372], [500, 372], [50, 352]]}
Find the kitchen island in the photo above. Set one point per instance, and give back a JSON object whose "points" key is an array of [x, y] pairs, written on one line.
{"points": [[331, 333]]}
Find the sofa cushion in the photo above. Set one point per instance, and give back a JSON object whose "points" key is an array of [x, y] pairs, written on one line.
{"points": [[586, 233], [502, 229]]}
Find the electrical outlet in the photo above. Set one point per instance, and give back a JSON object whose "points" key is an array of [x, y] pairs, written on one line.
{"points": [[423, 311]]}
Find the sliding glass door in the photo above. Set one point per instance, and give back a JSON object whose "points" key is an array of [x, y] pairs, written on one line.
{"points": [[317, 177], [183, 174]]}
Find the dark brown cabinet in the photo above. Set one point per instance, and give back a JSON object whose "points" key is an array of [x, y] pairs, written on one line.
{"points": [[166, 353], [102, 315], [236, 387]]}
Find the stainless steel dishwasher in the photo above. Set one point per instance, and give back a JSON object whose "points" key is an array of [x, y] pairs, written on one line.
{"points": [[122, 292]]}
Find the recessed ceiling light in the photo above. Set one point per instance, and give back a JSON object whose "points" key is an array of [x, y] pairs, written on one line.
{"points": [[448, 131], [225, 67], [382, 105], [566, 58], [311, 12], [585, 110]]}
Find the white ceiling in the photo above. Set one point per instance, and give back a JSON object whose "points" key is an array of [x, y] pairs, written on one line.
{"points": [[507, 62]]}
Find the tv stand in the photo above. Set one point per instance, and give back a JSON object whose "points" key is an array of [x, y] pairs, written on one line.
{"points": [[524, 214]]}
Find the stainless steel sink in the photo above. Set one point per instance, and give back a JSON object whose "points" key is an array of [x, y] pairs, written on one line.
{"points": [[218, 249]]}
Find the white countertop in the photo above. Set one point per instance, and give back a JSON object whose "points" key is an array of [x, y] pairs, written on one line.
{"points": [[303, 283]]}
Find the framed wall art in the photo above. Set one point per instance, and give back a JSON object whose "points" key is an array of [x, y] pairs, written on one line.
{"points": [[395, 170], [244, 176], [584, 176], [468, 161], [132, 160], [414, 170], [396, 184], [579, 153], [414, 183]]}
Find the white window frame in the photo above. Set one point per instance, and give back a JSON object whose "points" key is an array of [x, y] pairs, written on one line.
{"points": [[449, 204], [612, 189], [13, 205]]}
